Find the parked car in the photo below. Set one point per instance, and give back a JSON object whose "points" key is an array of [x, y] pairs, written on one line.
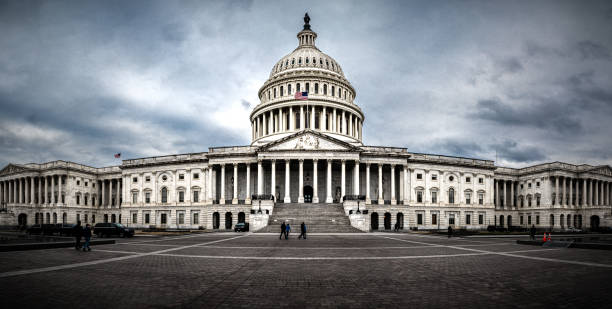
{"points": [[64, 229], [115, 229], [241, 227], [44, 229]]}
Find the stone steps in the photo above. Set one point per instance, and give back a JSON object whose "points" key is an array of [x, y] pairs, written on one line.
{"points": [[319, 218]]}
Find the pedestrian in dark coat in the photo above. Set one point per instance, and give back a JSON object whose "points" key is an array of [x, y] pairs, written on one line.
{"points": [[287, 231], [87, 236], [282, 231], [302, 230], [77, 231], [450, 231], [532, 232]]}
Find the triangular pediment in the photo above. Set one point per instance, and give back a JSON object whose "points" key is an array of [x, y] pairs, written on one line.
{"points": [[12, 168], [602, 170], [308, 140]]}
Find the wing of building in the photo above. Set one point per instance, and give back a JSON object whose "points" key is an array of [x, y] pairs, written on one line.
{"points": [[307, 163]]}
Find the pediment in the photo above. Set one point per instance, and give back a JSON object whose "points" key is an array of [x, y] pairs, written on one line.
{"points": [[602, 170], [308, 140], [12, 168]]}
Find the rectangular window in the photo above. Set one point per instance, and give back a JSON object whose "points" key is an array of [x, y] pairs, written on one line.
{"points": [[468, 219], [451, 219], [196, 176], [196, 196], [419, 176], [528, 219], [78, 199], [78, 217], [529, 185], [419, 219], [181, 197], [434, 177], [181, 176], [135, 197], [196, 218], [480, 198], [164, 218], [147, 197], [538, 184], [521, 220], [419, 196], [181, 218], [468, 179], [468, 198], [148, 178], [86, 183], [147, 218], [78, 182], [480, 219], [538, 220], [134, 218], [434, 219], [537, 201], [434, 197], [480, 180], [135, 179]]}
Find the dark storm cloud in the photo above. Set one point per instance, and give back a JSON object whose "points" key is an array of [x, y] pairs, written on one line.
{"points": [[81, 80]]}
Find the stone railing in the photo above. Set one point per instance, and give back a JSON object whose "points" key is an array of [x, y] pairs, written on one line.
{"points": [[263, 197]]}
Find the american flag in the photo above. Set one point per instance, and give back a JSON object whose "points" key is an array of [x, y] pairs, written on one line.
{"points": [[301, 95], [118, 155]]}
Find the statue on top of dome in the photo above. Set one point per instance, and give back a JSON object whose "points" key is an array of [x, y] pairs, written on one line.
{"points": [[306, 21]]}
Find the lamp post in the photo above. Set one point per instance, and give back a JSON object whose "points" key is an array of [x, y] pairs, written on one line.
{"points": [[358, 211]]}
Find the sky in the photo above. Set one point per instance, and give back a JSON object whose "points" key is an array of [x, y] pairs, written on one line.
{"points": [[519, 82]]}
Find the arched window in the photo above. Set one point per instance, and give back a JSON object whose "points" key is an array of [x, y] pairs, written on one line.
{"points": [[307, 88], [320, 61], [325, 89], [327, 63], [307, 60], [289, 89], [300, 60], [164, 194], [282, 90], [275, 93], [316, 88], [287, 63], [451, 196], [333, 93], [314, 60], [297, 87], [293, 61]]}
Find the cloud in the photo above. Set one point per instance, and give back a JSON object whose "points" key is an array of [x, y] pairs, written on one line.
{"points": [[593, 50], [511, 151]]}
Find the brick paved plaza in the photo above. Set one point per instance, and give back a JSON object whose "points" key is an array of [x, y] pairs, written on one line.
{"points": [[350, 270]]}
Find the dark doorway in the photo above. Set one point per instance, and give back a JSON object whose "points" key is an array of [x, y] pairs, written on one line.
{"points": [[509, 221], [387, 221], [594, 223], [400, 220], [241, 217], [113, 218], [228, 220], [374, 221], [215, 220], [307, 194], [22, 219], [501, 221], [105, 218]]}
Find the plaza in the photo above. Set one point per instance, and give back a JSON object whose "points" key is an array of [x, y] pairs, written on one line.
{"points": [[257, 270]]}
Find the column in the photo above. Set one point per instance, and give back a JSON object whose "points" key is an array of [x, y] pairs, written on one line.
{"points": [[31, 190], [287, 198], [343, 181], [312, 118], [52, 189], [329, 198], [584, 192], [590, 197], [302, 118], [259, 177], [556, 190], [315, 193], [497, 193], [597, 185], [247, 198], [393, 200], [356, 181], [324, 120], [301, 182], [380, 188], [281, 121], [512, 194], [118, 192], [59, 189], [222, 197], [333, 123], [110, 191], [10, 191], [343, 124], [563, 193], [350, 126], [571, 191], [368, 199], [291, 119], [273, 180], [235, 195], [264, 124], [407, 185]]}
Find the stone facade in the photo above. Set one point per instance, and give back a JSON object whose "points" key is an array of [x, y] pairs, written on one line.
{"points": [[308, 151]]}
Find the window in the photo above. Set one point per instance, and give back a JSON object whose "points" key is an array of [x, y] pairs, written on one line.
{"points": [[316, 88], [521, 220], [451, 178], [274, 93], [419, 196], [468, 219], [307, 87], [537, 200], [434, 197], [85, 200], [147, 218], [196, 196], [451, 219], [181, 197], [521, 186], [181, 218], [196, 176], [538, 220], [529, 185], [480, 198], [300, 60], [451, 196], [528, 219], [434, 177], [164, 194], [86, 183], [135, 179], [164, 218], [147, 197], [134, 218], [164, 178], [78, 182], [468, 198], [181, 176], [434, 218], [148, 179], [78, 199], [529, 201], [282, 90], [325, 89], [480, 219], [538, 184], [93, 184], [196, 218], [289, 88], [419, 219], [297, 87], [419, 176], [481, 180], [93, 201], [468, 179], [134, 197]]}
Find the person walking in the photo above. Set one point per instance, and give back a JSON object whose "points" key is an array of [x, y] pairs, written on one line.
{"points": [[287, 231], [282, 230], [450, 231], [77, 231], [302, 230], [87, 236], [532, 232]]}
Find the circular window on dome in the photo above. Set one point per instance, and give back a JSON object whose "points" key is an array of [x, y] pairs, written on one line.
{"points": [[451, 178], [164, 178]]}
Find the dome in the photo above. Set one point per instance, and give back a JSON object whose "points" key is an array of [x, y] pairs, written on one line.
{"points": [[306, 57]]}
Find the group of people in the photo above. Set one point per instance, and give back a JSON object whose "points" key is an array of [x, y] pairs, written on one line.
{"points": [[80, 232], [286, 229]]}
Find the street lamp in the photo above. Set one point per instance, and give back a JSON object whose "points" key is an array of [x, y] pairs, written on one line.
{"points": [[358, 211]]}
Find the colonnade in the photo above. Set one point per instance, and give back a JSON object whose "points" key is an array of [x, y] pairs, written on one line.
{"points": [[107, 198], [31, 190]]}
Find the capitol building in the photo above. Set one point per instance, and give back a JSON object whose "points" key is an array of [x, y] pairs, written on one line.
{"points": [[307, 162]]}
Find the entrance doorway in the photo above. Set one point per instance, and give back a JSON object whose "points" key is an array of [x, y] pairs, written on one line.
{"points": [[387, 221], [400, 220], [307, 194], [594, 223], [215, 220], [22, 220], [374, 221], [228, 220], [241, 217]]}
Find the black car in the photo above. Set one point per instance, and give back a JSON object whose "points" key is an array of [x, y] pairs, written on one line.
{"points": [[115, 229], [241, 227], [44, 229], [65, 229]]}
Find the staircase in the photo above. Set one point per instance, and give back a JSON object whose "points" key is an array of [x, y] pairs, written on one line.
{"points": [[319, 218]]}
